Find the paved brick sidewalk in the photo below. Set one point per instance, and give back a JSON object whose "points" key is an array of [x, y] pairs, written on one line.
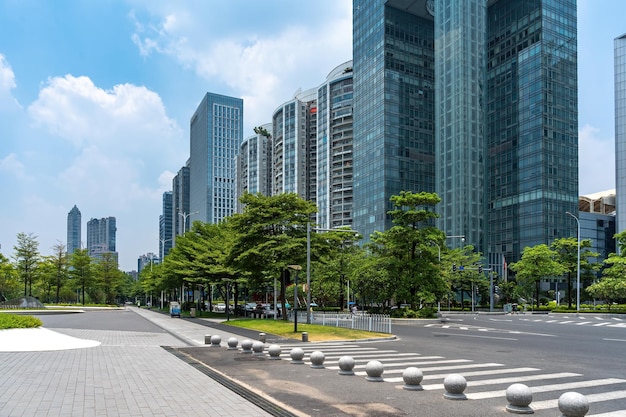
{"points": [[128, 374]]}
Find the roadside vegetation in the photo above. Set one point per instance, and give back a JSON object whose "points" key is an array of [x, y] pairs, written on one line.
{"points": [[406, 271], [13, 321]]}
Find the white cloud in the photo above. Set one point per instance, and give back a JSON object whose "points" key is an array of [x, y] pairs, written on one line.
{"points": [[7, 83], [264, 65], [13, 166], [596, 154]]}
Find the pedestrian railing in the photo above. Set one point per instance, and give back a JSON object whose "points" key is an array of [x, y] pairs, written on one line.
{"points": [[380, 323]]}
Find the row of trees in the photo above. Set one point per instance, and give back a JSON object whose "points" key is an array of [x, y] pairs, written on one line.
{"points": [[409, 263], [252, 249], [62, 277]]}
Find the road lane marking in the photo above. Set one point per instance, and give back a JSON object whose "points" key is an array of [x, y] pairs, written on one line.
{"points": [[614, 340], [465, 374], [592, 398], [514, 379], [480, 337], [548, 388]]}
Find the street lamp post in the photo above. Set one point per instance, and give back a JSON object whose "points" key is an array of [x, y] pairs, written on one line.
{"points": [[577, 263], [296, 268], [185, 216]]}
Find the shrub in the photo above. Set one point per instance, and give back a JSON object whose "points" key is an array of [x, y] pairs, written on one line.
{"points": [[13, 321]]}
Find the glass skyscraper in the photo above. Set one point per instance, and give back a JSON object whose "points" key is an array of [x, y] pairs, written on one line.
{"points": [[73, 230], [394, 77], [216, 133], [475, 100], [166, 226], [620, 131]]}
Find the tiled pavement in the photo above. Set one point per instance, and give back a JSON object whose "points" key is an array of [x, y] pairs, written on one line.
{"points": [[128, 374]]}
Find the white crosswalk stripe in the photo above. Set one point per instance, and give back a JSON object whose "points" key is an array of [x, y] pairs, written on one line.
{"points": [[478, 375]]}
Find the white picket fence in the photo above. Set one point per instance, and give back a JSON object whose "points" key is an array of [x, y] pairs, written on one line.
{"points": [[380, 323]]}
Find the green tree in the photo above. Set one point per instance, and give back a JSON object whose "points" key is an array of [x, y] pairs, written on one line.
{"points": [[199, 258], [537, 262], [566, 250], [108, 276], [466, 280], [269, 236], [82, 271], [9, 283], [612, 286], [27, 258], [408, 247], [60, 262], [338, 257]]}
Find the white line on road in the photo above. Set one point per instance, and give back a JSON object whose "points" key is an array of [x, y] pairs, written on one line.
{"points": [[413, 363], [470, 335], [615, 340], [618, 413], [592, 398], [548, 388], [495, 381], [465, 374]]}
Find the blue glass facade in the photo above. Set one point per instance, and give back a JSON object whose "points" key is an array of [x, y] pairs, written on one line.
{"points": [[620, 130], [474, 100], [216, 133], [393, 56], [532, 124]]}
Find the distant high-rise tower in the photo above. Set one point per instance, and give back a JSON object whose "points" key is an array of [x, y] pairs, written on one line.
{"points": [[180, 202], [101, 236], [216, 132], [73, 230], [254, 169], [165, 226], [620, 131]]}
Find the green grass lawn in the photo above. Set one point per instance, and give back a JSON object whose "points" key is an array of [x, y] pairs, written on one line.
{"points": [[14, 321], [316, 332]]}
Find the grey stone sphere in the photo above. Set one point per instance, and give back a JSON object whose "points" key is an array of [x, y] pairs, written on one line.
{"points": [[216, 339], [232, 343], [519, 397], [246, 346], [346, 364], [297, 355], [257, 347], [317, 359], [274, 351], [455, 384], [412, 377], [573, 404], [374, 370]]}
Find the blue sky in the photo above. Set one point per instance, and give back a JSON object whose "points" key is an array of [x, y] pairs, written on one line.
{"points": [[96, 97]]}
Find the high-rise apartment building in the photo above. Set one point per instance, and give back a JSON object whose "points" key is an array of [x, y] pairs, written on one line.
{"points": [[334, 149], [620, 130], [166, 225], [254, 164], [73, 230], [216, 132], [294, 160], [180, 202], [101, 236], [477, 101]]}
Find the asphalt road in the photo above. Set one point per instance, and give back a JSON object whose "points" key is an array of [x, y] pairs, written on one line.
{"points": [[550, 354]]}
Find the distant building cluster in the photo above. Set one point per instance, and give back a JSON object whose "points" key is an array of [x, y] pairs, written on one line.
{"points": [[473, 100], [101, 234]]}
